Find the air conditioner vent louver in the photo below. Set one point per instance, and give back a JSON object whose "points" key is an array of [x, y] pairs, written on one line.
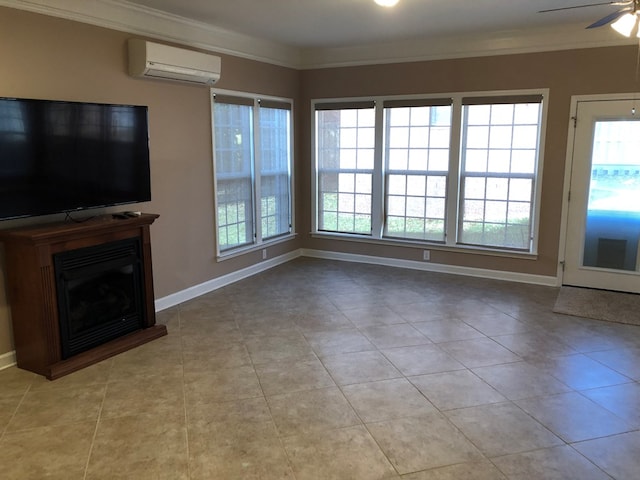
{"points": [[153, 60]]}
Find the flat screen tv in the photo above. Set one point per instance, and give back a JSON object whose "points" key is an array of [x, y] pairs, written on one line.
{"points": [[58, 156]]}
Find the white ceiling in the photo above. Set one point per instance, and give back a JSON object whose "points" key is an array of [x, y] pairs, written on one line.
{"points": [[348, 23], [325, 33]]}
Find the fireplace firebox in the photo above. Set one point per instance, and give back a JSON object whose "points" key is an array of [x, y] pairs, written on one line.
{"points": [[99, 294], [79, 292]]}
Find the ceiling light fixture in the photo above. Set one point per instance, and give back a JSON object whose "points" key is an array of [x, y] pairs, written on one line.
{"points": [[386, 3], [625, 24]]}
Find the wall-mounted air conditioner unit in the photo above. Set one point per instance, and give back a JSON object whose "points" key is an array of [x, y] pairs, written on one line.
{"points": [[154, 60]]}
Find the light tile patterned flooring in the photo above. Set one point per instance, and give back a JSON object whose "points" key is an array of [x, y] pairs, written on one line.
{"points": [[328, 370]]}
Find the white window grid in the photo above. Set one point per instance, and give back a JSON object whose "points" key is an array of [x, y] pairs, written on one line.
{"points": [[345, 170], [497, 178], [417, 139], [455, 183]]}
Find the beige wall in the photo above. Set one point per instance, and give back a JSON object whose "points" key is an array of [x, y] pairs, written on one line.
{"points": [[44, 57], [565, 73]]}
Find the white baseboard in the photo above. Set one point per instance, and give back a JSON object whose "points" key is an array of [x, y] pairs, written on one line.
{"points": [[211, 285], [7, 360], [434, 267], [216, 283]]}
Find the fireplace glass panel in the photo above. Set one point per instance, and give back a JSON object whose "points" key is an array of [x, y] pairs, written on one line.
{"points": [[99, 294]]}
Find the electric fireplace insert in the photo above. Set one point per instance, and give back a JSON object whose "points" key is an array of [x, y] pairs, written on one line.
{"points": [[100, 294]]}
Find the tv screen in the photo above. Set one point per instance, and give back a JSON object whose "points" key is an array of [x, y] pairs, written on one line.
{"points": [[60, 156]]}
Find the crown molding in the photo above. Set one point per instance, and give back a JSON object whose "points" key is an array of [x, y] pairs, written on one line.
{"points": [[130, 18], [566, 37], [124, 16]]}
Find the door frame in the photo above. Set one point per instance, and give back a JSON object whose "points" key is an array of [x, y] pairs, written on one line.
{"points": [[571, 137]]}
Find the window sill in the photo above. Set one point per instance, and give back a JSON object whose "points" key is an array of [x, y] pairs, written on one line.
{"points": [[423, 245], [237, 252]]}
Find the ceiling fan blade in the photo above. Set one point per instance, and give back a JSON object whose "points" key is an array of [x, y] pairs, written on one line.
{"points": [[586, 5], [609, 18]]}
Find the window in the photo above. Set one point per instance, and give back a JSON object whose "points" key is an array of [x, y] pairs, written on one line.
{"points": [[459, 171], [345, 149], [615, 167], [275, 178], [416, 168], [499, 157], [252, 153]]}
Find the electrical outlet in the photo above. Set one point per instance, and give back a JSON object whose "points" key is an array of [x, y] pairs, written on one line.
{"points": [[264, 253], [426, 255]]}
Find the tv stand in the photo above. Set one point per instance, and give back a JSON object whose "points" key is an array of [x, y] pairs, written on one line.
{"points": [[33, 294]]}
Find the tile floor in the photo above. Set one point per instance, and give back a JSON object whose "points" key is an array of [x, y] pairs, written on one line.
{"points": [[329, 370]]}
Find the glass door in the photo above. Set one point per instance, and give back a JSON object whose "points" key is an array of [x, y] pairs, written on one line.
{"points": [[604, 206]]}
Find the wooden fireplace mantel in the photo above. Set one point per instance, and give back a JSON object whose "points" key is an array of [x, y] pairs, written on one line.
{"points": [[29, 260]]}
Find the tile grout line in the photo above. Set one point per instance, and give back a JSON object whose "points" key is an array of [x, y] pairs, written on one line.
{"points": [[282, 439], [440, 412], [184, 397], [15, 411], [264, 397], [364, 424], [571, 446], [95, 430]]}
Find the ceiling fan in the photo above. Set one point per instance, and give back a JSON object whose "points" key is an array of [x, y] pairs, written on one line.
{"points": [[629, 8]]}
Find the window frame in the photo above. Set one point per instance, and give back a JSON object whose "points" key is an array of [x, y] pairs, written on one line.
{"points": [[258, 241], [356, 109], [453, 199], [493, 104], [408, 172]]}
